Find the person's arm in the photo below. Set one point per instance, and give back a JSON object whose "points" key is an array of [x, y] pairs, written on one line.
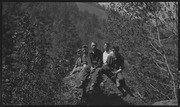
{"points": [[99, 60], [75, 66], [109, 60], [122, 63], [91, 63], [74, 70], [119, 70], [121, 67], [84, 61]]}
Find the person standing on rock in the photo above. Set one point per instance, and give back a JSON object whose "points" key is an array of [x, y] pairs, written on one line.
{"points": [[113, 69]]}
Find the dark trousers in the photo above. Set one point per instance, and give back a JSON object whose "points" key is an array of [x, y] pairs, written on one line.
{"points": [[97, 79], [85, 72], [97, 76], [123, 87]]}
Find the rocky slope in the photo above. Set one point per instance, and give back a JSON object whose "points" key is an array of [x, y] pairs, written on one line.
{"points": [[109, 94]]}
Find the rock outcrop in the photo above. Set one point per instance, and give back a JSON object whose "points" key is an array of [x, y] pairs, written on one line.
{"points": [[109, 94]]}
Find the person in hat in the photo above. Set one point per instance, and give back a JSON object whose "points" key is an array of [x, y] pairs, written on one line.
{"points": [[78, 64], [86, 67]]}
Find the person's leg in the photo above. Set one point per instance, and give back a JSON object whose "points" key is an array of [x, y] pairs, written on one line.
{"points": [[104, 80], [108, 72], [97, 77], [120, 87], [124, 86], [85, 73], [119, 77], [117, 80], [77, 69]]}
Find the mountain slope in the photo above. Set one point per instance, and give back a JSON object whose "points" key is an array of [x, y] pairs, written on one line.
{"points": [[92, 9]]}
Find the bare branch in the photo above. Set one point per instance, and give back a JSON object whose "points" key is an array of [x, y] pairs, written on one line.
{"points": [[160, 67], [173, 80], [158, 33], [160, 61], [160, 82], [157, 43], [159, 91], [154, 40], [164, 75], [139, 94], [176, 48], [163, 22], [158, 64], [141, 97], [173, 31], [156, 48]]}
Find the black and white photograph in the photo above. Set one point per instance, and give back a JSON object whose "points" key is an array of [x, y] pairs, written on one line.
{"points": [[90, 53]]}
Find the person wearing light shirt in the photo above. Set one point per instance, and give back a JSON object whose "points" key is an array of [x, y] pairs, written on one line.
{"points": [[113, 70], [107, 52]]}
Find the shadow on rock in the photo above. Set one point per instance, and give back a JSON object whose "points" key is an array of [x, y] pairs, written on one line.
{"points": [[102, 99]]}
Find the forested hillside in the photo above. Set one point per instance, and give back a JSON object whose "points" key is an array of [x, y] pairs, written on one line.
{"points": [[148, 36], [93, 8], [39, 44], [39, 40]]}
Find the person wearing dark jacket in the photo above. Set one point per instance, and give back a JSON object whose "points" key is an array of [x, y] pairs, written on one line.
{"points": [[96, 57], [92, 62]]}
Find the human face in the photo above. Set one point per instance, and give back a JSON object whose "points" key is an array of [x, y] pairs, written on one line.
{"points": [[106, 47], [78, 54], [114, 51], [93, 46], [85, 50]]}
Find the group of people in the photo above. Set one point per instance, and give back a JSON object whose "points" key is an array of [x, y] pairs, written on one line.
{"points": [[94, 63]]}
